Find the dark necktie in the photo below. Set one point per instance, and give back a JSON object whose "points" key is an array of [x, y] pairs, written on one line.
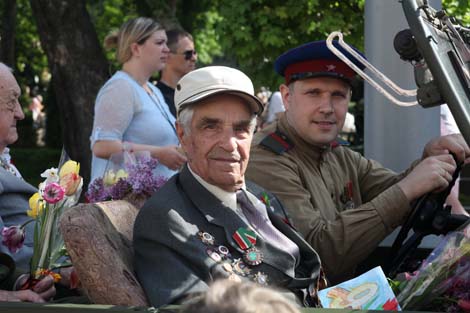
{"points": [[260, 221]]}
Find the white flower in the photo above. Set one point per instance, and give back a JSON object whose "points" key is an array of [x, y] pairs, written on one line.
{"points": [[51, 175]]}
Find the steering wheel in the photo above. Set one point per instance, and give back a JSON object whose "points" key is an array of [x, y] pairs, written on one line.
{"points": [[429, 216]]}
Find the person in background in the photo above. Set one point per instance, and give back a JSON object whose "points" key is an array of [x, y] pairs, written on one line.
{"points": [[14, 195], [181, 60], [225, 296], [130, 112], [342, 203], [275, 107], [448, 127]]}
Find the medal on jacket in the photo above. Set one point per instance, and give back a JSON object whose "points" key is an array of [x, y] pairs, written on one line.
{"points": [[246, 240], [253, 256], [206, 238], [261, 278], [347, 196]]}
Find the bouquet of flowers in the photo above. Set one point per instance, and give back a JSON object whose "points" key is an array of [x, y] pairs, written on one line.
{"points": [[60, 189], [129, 176], [442, 283]]}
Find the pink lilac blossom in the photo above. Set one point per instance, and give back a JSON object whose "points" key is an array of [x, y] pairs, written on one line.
{"points": [[13, 238]]}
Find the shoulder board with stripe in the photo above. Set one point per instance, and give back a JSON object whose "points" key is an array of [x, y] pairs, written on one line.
{"points": [[277, 142]]}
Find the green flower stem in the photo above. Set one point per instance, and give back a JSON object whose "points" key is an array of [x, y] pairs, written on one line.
{"points": [[26, 223], [47, 232]]}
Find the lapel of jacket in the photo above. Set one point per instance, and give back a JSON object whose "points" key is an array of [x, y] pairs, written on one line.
{"points": [[11, 183], [214, 211], [218, 214], [309, 265]]}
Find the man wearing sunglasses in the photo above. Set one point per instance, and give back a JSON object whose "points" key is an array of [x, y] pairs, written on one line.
{"points": [[181, 60]]}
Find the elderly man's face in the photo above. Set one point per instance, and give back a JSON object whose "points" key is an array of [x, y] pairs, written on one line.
{"points": [[316, 108], [218, 146], [10, 109]]}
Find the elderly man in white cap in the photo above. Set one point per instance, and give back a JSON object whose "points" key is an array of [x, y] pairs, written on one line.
{"points": [[207, 222]]}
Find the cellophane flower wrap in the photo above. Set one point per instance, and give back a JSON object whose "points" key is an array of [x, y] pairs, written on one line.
{"points": [[129, 176], [60, 189], [442, 283]]}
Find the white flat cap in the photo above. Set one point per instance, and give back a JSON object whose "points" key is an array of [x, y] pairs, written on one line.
{"points": [[207, 81]]}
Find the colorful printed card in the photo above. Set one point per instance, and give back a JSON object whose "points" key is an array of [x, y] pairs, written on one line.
{"points": [[370, 291]]}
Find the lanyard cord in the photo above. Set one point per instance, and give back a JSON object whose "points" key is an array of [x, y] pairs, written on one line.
{"points": [[161, 109]]}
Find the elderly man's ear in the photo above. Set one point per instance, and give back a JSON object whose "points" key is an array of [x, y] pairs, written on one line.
{"points": [[179, 131]]}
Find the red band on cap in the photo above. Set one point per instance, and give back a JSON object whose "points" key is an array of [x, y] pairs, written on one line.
{"points": [[319, 66]]}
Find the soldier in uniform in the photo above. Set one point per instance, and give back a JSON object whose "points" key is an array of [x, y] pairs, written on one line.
{"points": [[343, 203], [206, 222]]}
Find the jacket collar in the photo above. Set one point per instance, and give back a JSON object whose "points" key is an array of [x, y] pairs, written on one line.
{"points": [[11, 183], [218, 214]]}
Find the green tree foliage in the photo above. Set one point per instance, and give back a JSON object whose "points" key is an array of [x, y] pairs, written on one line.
{"points": [[253, 33], [108, 16], [248, 34], [31, 69], [458, 8]]}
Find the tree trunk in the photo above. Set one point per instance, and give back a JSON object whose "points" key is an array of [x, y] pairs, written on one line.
{"points": [[7, 35], [78, 66]]}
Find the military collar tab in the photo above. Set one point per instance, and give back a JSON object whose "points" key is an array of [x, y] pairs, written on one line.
{"points": [[277, 142]]}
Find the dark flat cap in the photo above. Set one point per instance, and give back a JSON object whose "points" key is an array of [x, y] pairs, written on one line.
{"points": [[314, 59]]}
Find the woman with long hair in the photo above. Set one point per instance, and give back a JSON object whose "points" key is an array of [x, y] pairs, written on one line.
{"points": [[130, 112]]}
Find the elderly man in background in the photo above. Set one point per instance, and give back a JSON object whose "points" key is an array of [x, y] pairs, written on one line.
{"points": [[207, 222], [343, 203], [14, 195]]}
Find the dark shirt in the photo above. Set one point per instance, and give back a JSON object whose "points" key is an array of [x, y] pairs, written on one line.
{"points": [[169, 95]]}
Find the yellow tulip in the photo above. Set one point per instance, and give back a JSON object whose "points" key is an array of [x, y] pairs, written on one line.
{"points": [[70, 182], [36, 204], [69, 167]]}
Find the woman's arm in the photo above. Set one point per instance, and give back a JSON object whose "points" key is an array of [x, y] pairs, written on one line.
{"points": [[170, 156]]}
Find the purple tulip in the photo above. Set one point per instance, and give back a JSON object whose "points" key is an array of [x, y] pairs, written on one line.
{"points": [[13, 238]]}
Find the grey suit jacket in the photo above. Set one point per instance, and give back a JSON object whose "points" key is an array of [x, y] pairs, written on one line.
{"points": [[172, 261], [14, 196]]}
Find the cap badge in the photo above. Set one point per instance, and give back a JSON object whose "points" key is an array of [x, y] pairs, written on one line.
{"points": [[330, 68]]}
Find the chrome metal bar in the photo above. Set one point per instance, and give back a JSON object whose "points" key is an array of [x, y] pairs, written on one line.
{"points": [[374, 70]]}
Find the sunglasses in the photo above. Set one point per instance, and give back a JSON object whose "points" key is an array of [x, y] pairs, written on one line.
{"points": [[188, 54]]}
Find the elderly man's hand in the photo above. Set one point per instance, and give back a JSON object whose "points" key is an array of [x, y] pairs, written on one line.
{"points": [[448, 144], [45, 288], [20, 296]]}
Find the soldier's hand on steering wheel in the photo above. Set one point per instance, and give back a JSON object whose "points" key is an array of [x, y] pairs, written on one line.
{"points": [[431, 174], [454, 144]]}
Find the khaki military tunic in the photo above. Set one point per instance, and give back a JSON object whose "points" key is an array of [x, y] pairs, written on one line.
{"points": [[343, 203]]}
